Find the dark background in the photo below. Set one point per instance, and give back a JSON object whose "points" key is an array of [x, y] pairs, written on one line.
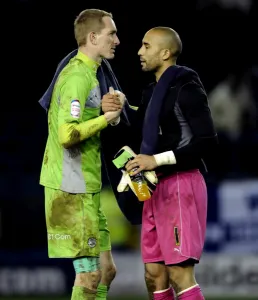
{"points": [[217, 41]]}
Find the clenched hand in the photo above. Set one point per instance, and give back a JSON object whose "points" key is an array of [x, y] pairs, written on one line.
{"points": [[112, 101]]}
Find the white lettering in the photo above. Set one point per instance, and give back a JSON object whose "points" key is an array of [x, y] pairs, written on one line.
{"points": [[58, 236]]}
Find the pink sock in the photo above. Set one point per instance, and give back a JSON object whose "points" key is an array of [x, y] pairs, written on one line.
{"points": [[166, 295], [194, 293]]}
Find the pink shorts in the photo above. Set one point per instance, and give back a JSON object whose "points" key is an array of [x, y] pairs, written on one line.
{"points": [[174, 219]]}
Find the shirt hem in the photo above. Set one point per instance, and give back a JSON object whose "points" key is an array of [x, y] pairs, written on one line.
{"points": [[79, 191]]}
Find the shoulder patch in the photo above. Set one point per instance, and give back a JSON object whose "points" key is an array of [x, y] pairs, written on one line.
{"points": [[75, 109]]}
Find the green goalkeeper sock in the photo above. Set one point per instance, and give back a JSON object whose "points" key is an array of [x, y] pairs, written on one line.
{"points": [[102, 292], [82, 293]]}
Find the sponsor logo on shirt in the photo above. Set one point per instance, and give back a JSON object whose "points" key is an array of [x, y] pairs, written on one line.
{"points": [[75, 109]]}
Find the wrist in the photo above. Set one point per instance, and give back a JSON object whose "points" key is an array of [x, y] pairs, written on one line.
{"points": [[165, 158], [108, 118], [115, 122]]}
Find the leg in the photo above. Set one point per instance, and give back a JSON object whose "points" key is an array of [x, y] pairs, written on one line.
{"points": [[107, 265], [182, 279], [108, 268], [181, 276], [72, 226], [88, 273], [87, 278], [182, 229], [108, 273], [156, 276]]}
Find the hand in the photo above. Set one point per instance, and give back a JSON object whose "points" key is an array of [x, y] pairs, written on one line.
{"points": [[112, 101], [112, 116], [120, 95], [141, 162]]}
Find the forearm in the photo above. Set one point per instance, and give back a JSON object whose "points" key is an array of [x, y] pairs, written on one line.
{"points": [[70, 134], [194, 150]]}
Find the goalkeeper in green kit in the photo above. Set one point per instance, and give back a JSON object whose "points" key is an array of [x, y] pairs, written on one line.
{"points": [[71, 169]]}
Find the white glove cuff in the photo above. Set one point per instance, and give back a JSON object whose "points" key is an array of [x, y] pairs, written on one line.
{"points": [[165, 158]]}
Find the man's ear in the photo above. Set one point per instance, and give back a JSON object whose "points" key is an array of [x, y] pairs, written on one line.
{"points": [[166, 53], [93, 38]]}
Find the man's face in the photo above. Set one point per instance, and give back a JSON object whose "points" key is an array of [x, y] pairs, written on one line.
{"points": [[149, 53], [107, 39]]}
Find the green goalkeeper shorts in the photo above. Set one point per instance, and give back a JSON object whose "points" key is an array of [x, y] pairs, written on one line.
{"points": [[76, 224]]}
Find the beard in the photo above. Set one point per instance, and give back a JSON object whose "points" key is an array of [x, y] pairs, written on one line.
{"points": [[152, 64], [151, 67]]}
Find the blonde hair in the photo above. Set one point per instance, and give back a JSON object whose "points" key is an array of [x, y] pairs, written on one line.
{"points": [[88, 20]]}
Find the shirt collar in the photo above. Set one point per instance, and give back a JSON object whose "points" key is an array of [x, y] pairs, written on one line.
{"points": [[88, 61]]}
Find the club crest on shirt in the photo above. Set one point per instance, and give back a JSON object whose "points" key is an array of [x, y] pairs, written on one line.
{"points": [[92, 242], [75, 108]]}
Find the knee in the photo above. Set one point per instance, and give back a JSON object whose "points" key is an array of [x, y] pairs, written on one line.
{"points": [[108, 271], [181, 277], [176, 275], [88, 272], [88, 280], [156, 277]]}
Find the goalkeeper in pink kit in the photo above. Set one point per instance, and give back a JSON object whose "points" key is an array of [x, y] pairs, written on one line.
{"points": [[174, 134]]}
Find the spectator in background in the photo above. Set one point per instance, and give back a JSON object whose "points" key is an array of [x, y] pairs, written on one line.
{"points": [[233, 109], [232, 105]]}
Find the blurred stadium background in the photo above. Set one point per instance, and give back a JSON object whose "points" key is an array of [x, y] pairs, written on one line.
{"points": [[219, 40]]}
